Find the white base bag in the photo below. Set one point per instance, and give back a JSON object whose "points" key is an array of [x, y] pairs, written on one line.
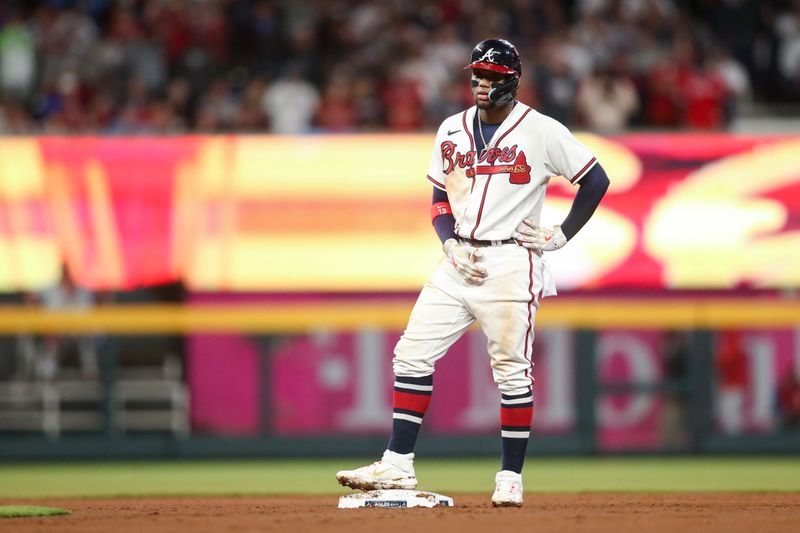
{"points": [[401, 499]]}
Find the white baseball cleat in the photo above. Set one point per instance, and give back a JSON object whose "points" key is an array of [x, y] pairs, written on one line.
{"points": [[393, 471], [507, 490]]}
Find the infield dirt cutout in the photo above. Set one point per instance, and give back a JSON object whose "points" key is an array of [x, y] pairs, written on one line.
{"points": [[613, 512]]}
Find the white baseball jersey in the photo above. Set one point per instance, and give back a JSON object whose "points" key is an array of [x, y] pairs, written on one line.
{"points": [[491, 193]]}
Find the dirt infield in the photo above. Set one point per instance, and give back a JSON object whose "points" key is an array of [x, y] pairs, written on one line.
{"points": [[729, 512]]}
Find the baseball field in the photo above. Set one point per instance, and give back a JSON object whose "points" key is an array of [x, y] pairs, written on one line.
{"points": [[610, 494]]}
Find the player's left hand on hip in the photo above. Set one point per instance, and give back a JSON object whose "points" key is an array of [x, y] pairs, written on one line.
{"points": [[542, 238]]}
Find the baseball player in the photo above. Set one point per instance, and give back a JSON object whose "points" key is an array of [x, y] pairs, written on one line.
{"points": [[490, 168]]}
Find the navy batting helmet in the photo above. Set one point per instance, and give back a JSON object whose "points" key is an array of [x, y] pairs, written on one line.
{"points": [[498, 55]]}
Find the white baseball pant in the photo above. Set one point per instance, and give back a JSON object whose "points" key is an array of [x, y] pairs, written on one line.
{"points": [[504, 304]]}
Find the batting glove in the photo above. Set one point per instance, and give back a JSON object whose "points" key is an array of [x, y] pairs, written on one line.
{"points": [[542, 238], [464, 260]]}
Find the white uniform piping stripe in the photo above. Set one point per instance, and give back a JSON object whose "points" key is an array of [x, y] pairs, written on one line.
{"points": [[412, 386], [527, 399], [515, 434], [410, 418]]}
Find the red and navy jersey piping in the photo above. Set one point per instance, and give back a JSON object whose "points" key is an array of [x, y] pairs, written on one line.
{"points": [[582, 171]]}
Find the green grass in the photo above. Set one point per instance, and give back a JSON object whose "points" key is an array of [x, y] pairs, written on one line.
{"points": [[447, 476], [18, 511]]}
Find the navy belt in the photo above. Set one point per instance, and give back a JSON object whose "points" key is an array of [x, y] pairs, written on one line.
{"points": [[479, 243]]}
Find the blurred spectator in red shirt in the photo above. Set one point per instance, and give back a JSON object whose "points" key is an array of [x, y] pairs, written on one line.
{"points": [[337, 111], [102, 111], [731, 381], [171, 25], [663, 95], [703, 94], [686, 90], [402, 102]]}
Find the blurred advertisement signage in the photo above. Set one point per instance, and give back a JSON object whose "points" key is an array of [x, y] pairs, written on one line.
{"points": [[350, 213], [335, 383]]}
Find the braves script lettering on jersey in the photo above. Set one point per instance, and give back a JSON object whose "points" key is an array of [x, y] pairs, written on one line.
{"points": [[490, 193]]}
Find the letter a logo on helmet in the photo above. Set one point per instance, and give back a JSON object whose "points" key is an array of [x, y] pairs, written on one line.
{"points": [[488, 55]]}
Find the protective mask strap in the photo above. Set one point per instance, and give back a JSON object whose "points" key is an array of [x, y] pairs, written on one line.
{"points": [[502, 93]]}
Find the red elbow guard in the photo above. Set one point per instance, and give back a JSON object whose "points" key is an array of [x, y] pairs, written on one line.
{"points": [[440, 208]]}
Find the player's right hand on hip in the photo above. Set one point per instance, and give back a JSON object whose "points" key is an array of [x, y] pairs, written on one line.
{"points": [[465, 259]]}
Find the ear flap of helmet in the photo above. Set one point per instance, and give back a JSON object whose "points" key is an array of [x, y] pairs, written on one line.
{"points": [[502, 93]]}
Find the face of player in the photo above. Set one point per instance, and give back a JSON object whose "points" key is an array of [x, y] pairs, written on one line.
{"points": [[482, 81]]}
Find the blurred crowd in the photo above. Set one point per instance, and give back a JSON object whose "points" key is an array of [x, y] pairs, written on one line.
{"points": [[133, 67]]}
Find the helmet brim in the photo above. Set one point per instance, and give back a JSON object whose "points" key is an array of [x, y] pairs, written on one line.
{"points": [[483, 65]]}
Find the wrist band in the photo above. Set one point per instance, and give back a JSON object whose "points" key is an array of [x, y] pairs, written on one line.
{"points": [[440, 208]]}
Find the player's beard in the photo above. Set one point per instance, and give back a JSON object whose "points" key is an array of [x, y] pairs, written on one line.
{"points": [[488, 104]]}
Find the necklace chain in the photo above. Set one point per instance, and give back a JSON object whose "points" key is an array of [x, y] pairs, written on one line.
{"points": [[480, 125]]}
